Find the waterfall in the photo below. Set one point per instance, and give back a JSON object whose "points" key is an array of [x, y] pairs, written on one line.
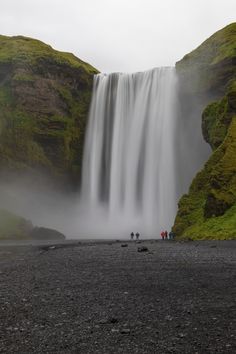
{"points": [[128, 179]]}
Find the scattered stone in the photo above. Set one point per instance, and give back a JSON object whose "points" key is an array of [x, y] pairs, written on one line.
{"points": [[124, 245], [125, 331], [142, 249], [156, 302], [108, 320], [114, 330], [113, 320]]}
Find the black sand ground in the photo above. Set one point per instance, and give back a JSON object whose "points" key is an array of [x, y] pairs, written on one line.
{"points": [[104, 298]]}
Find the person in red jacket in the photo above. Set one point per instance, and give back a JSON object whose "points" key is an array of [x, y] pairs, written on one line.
{"points": [[162, 235], [166, 235]]}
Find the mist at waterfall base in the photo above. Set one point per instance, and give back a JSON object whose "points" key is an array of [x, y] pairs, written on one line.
{"points": [[141, 153]]}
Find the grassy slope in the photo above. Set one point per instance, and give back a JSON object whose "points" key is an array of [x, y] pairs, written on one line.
{"points": [[220, 46], [13, 226], [210, 67], [29, 51], [209, 210]]}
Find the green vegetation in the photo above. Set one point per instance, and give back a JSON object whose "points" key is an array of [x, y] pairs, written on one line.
{"points": [[221, 227], [44, 101], [210, 66], [217, 117], [221, 45], [13, 226], [30, 51], [209, 209]]}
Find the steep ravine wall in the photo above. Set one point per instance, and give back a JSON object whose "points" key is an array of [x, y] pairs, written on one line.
{"points": [[44, 102], [208, 76]]}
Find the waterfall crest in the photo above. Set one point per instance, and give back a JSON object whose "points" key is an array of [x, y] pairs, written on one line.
{"points": [[128, 179]]}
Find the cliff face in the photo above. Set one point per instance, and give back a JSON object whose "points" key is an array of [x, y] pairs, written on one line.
{"points": [[44, 102], [208, 69], [209, 74]]}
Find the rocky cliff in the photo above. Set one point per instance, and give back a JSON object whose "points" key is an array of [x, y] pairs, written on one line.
{"points": [[209, 75], [44, 102]]}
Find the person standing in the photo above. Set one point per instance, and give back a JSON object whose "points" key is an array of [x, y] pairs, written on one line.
{"points": [[166, 235], [132, 235], [137, 235], [171, 235], [162, 235]]}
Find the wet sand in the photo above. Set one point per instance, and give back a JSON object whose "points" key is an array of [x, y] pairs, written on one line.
{"points": [[100, 297]]}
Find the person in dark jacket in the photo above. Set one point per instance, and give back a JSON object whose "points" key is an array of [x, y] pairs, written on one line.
{"points": [[171, 235]]}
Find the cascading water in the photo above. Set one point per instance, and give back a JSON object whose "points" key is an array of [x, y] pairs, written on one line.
{"points": [[128, 181]]}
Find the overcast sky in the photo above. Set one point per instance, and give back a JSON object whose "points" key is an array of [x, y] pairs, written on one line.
{"points": [[119, 35]]}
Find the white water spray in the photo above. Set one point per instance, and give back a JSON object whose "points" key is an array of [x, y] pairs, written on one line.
{"points": [[128, 180]]}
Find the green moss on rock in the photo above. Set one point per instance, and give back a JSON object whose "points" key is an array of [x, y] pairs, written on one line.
{"points": [[212, 195], [44, 103], [209, 209], [217, 117], [209, 67], [30, 51]]}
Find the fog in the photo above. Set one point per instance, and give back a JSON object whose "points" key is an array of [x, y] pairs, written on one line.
{"points": [[47, 207], [41, 204]]}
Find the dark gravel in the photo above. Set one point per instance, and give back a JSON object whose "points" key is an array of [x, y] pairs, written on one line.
{"points": [[100, 297]]}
